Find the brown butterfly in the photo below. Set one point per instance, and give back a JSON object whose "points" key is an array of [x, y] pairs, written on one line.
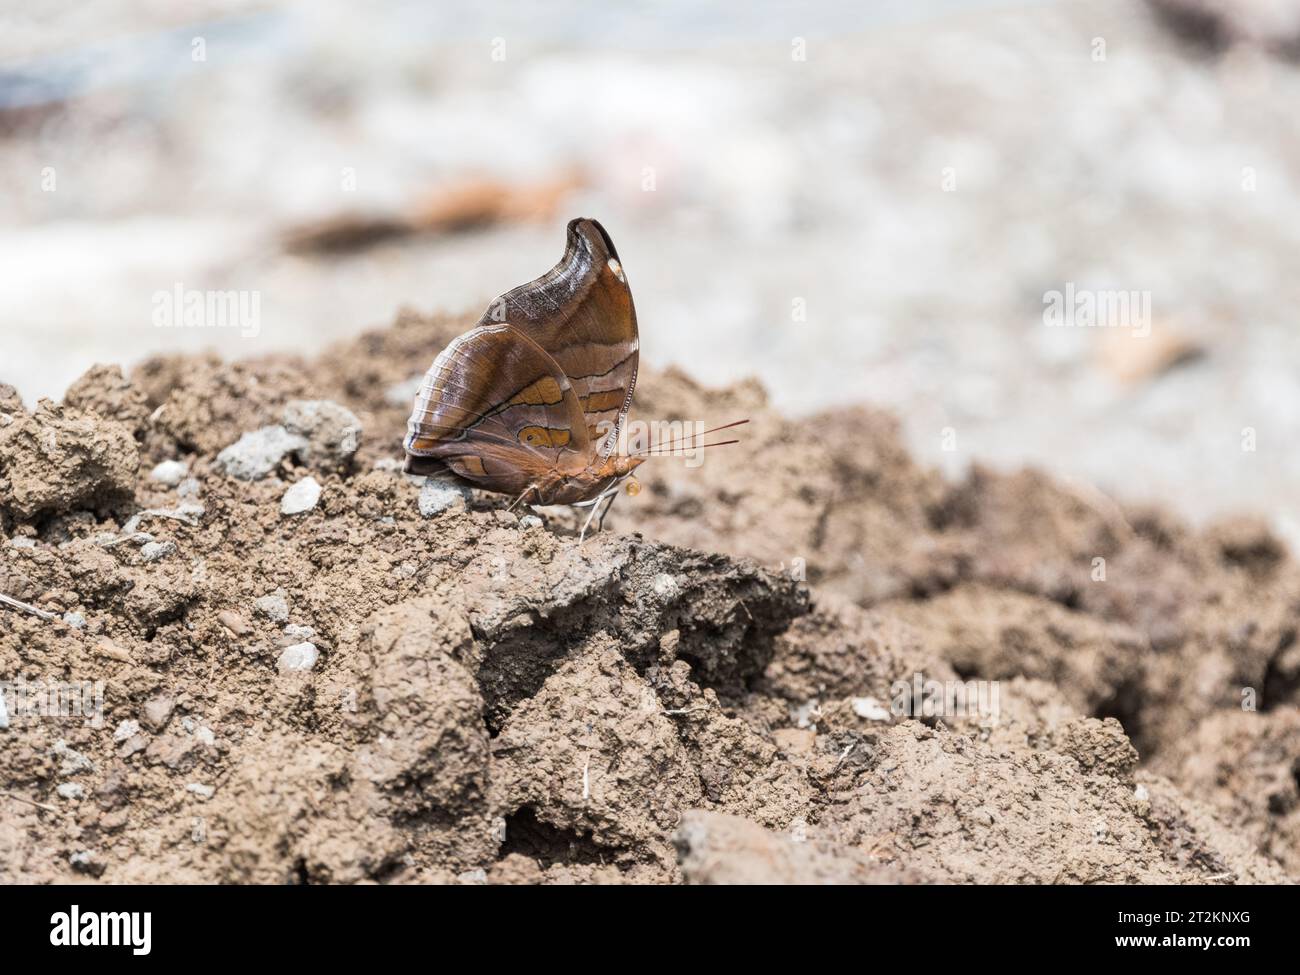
{"points": [[532, 400]]}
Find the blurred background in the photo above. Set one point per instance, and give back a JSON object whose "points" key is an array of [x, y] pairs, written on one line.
{"points": [[853, 202]]}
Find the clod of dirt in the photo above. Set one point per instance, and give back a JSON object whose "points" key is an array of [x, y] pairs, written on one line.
{"points": [[106, 391], [1248, 765], [10, 403], [58, 459], [332, 433]]}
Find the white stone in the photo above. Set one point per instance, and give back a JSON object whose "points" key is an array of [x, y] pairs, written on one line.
{"points": [[73, 760], [300, 656], [437, 496], [70, 790], [665, 584], [169, 472], [273, 606], [127, 729], [256, 454], [155, 551], [199, 789], [300, 498], [870, 708]]}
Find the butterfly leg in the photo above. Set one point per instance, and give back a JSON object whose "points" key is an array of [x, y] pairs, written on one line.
{"points": [[612, 494], [583, 534], [595, 504], [521, 497]]}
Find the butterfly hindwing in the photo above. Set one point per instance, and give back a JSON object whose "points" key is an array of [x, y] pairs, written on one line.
{"points": [[581, 313], [498, 411]]}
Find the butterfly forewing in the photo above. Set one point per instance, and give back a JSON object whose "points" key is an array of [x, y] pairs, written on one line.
{"points": [[581, 313]]}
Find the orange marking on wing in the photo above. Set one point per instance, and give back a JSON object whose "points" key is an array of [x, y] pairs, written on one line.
{"points": [[467, 465], [544, 436], [545, 392], [599, 402]]}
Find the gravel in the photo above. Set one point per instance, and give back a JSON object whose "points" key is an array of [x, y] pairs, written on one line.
{"points": [[437, 496], [301, 497], [300, 656], [154, 551], [256, 454], [274, 606], [169, 472]]}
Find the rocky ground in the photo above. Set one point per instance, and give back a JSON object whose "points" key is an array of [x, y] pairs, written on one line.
{"points": [[317, 669]]}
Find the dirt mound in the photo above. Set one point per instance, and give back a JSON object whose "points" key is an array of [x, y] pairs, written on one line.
{"points": [[808, 659]]}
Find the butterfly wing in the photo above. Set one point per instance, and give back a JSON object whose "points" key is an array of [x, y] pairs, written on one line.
{"points": [[497, 411], [581, 313]]}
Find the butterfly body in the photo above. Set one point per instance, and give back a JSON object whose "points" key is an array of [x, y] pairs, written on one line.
{"points": [[531, 401]]}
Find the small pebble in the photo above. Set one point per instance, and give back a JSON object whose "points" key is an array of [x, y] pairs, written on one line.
{"points": [[199, 789], [169, 472], [74, 620], [530, 521], [300, 498], [4, 712], [256, 454], [665, 584], [73, 760], [205, 735], [154, 551], [870, 708], [84, 861], [70, 790], [437, 496], [107, 648], [300, 632], [157, 712], [22, 541], [1141, 793], [189, 488], [233, 622], [273, 606], [127, 729], [300, 656]]}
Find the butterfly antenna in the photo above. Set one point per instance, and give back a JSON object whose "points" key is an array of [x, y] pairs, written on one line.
{"points": [[675, 451], [675, 442]]}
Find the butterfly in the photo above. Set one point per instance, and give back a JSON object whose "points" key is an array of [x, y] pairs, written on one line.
{"points": [[532, 401]]}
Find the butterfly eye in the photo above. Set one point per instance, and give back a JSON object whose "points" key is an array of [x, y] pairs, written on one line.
{"points": [[632, 487]]}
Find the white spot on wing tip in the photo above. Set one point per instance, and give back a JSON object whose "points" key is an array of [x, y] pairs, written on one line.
{"points": [[617, 268]]}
